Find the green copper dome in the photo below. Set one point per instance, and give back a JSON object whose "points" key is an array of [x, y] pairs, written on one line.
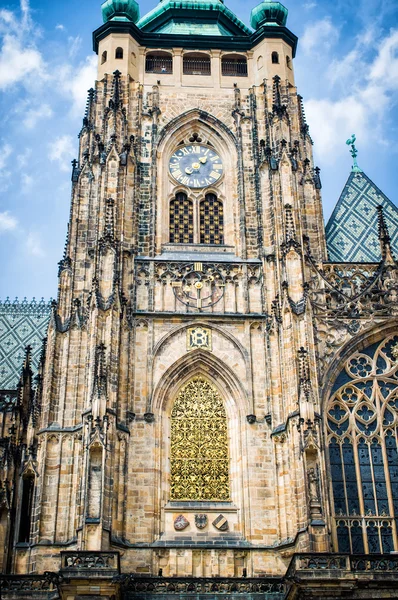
{"points": [[268, 13], [193, 17], [120, 10]]}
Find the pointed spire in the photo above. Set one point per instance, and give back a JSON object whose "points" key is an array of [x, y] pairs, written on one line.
{"points": [[354, 153], [110, 220], [277, 107], [317, 178], [384, 236], [89, 105], [303, 121], [304, 373], [114, 102], [290, 231], [100, 380]]}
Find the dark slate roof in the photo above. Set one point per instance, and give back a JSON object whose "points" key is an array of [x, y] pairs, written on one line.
{"points": [[352, 230], [21, 324]]}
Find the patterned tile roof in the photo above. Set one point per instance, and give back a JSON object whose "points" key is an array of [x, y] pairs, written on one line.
{"points": [[21, 324], [352, 230]]}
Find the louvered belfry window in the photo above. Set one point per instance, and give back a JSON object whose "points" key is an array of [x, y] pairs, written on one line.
{"points": [[211, 220], [362, 428], [181, 220]]}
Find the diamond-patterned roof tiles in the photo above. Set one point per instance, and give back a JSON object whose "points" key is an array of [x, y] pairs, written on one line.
{"points": [[21, 324], [352, 230]]}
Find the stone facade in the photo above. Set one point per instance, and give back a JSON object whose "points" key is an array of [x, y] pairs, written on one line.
{"points": [[86, 460]]}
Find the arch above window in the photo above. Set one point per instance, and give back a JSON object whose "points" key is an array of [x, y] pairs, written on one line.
{"points": [[181, 220], [159, 62], [234, 65], [196, 63], [119, 53], [362, 429], [211, 220], [199, 457]]}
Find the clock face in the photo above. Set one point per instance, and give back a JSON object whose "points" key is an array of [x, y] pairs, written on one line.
{"points": [[196, 166]]}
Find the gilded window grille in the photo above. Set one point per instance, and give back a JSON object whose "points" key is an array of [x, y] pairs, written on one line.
{"points": [[181, 220], [362, 428], [211, 220], [199, 457]]}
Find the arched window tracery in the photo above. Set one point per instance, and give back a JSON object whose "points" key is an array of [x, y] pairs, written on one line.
{"points": [[199, 457], [181, 220], [362, 428], [211, 220]]}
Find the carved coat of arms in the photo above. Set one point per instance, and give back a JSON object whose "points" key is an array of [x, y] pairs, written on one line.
{"points": [[201, 521], [180, 523], [221, 523]]}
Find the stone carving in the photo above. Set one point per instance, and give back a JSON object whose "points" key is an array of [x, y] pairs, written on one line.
{"points": [[180, 523], [221, 523], [199, 337], [313, 485], [201, 521]]}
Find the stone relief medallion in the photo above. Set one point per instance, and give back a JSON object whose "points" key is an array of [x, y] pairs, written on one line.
{"points": [[180, 523], [221, 523], [199, 337], [201, 521]]}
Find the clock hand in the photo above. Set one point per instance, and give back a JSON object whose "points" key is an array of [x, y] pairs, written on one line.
{"points": [[188, 171], [203, 160]]}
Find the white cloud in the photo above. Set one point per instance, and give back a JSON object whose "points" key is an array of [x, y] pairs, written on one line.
{"points": [[5, 153], [74, 82], [22, 159], [366, 89], [384, 70], [7, 222], [16, 61], [60, 27], [33, 115], [74, 45], [34, 245], [18, 56], [331, 123], [318, 37], [27, 182], [62, 150]]}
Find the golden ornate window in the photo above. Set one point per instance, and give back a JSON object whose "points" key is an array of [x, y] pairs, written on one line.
{"points": [[199, 444], [211, 220], [362, 423], [181, 220]]}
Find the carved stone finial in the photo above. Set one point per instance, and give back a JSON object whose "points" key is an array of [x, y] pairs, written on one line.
{"points": [[278, 108], [384, 237]]}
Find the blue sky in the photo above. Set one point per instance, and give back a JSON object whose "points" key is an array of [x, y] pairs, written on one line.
{"points": [[346, 70]]}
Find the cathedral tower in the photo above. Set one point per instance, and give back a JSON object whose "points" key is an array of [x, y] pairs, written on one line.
{"points": [[177, 426]]}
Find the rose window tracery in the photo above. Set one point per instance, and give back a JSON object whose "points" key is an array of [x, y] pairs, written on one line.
{"points": [[362, 426], [199, 458]]}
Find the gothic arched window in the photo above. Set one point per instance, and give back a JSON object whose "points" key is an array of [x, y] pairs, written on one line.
{"points": [[211, 220], [275, 58], [199, 458], [181, 220], [362, 424]]}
